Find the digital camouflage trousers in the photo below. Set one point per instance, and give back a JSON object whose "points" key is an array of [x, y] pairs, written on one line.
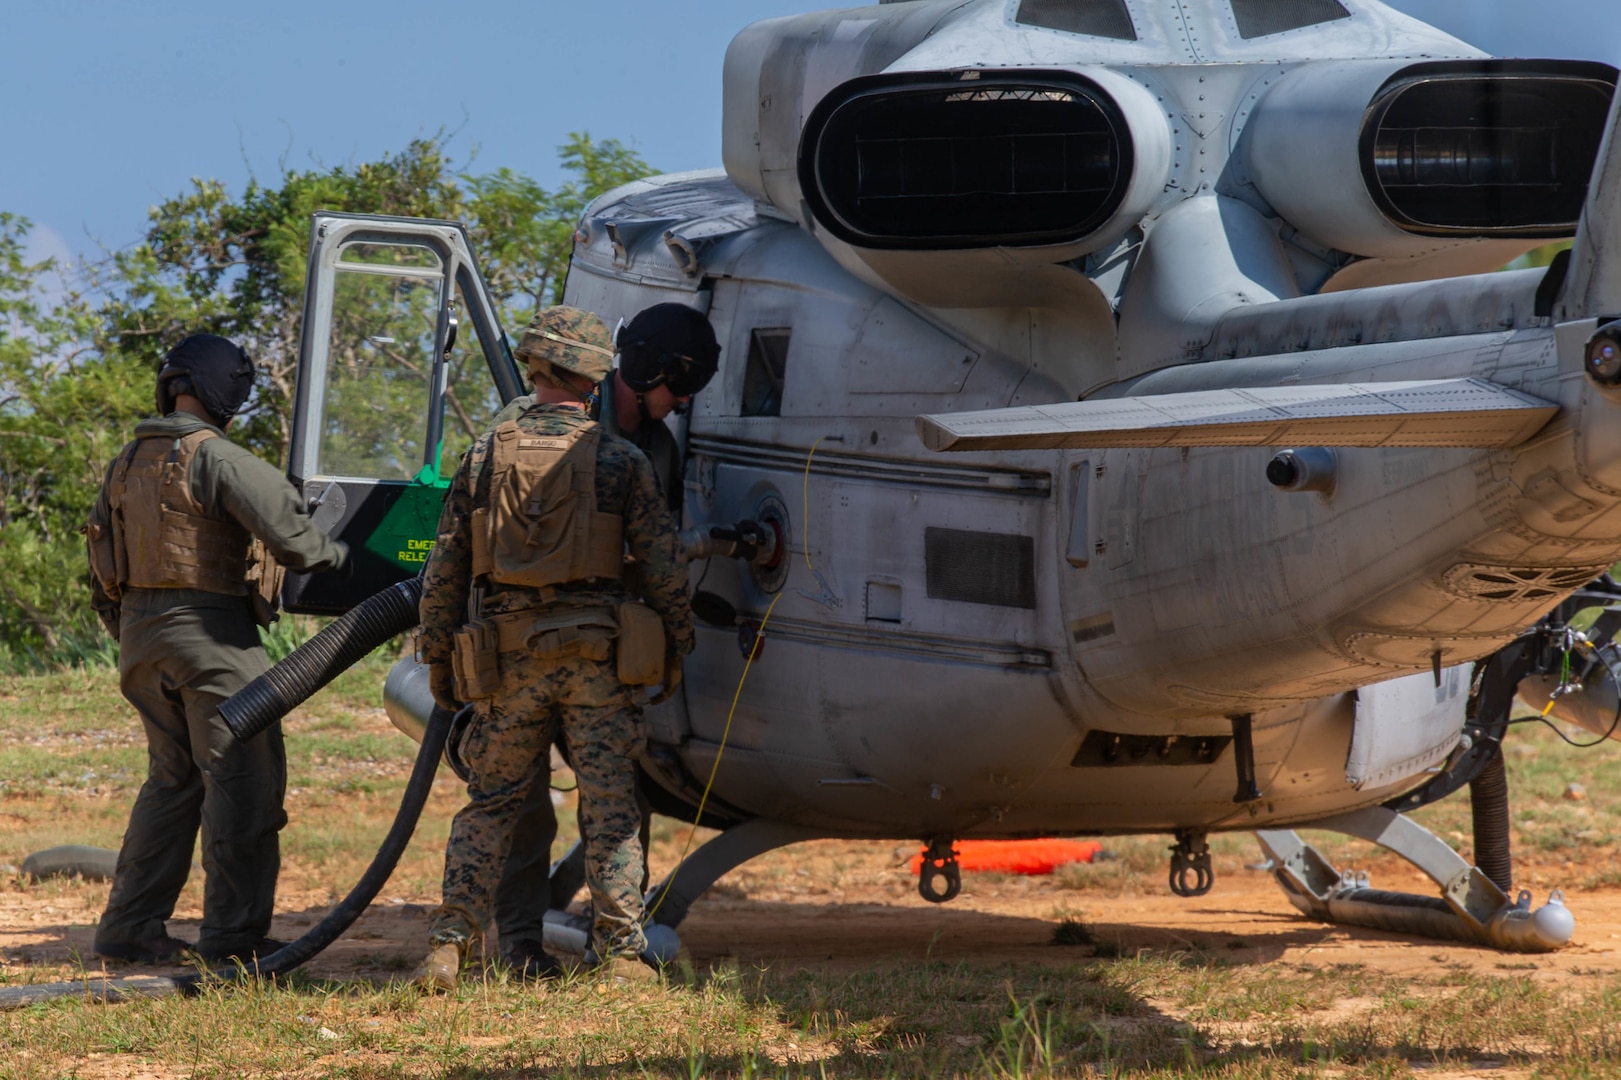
{"points": [[507, 750]]}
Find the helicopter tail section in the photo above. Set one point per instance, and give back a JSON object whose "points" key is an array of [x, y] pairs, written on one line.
{"points": [[1428, 413], [1593, 285]]}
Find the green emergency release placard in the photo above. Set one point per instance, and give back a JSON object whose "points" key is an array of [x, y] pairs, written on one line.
{"points": [[406, 533]]}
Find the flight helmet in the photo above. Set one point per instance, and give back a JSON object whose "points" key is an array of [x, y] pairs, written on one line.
{"points": [[215, 370], [668, 345]]}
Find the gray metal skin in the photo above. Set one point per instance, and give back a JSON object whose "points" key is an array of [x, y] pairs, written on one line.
{"points": [[1171, 586], [1174, 588]]}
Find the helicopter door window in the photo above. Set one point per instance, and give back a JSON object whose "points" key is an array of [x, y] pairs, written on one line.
{"points": [[1078, 551], [1258, 18], [471, 399], [1097, 18], [378, 386], [767, 369]]}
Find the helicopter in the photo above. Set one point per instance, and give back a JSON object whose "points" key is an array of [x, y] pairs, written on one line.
{"points": [[1140, 432]]}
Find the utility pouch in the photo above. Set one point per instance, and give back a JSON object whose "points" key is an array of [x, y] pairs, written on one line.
{"points": [[475, 659], [264, 580], [482, 563], [587, 632], [588, 642], [103, 554], [641, 645], [105, 540]]}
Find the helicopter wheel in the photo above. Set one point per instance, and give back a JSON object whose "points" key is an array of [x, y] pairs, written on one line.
{"points": [[1191, 872], [939, 863]]}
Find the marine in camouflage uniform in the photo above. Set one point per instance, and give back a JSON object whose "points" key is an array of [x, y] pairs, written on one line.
{"points": [[186, 624], [668, 354], [578, 697]]}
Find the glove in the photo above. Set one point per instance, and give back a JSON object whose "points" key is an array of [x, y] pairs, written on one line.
{"points": [[746, 537], [672, 679], [345, 566], [442, 683]]}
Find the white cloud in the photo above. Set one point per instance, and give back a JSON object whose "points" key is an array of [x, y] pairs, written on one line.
{"points": [[44, 243]]}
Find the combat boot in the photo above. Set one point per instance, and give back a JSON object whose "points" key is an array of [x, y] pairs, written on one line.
{"points": [[628, 971], [530, 961], [442, 968], [162, 949], [246, 955]]}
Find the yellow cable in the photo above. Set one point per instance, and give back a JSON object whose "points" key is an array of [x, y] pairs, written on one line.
{"points": [[737, 694], [804, 503]]}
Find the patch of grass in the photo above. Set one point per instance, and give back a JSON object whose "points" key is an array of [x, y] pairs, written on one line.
{"points": [[1120, 1011], [1155, 1014], [74, 650], [1073, 931]]}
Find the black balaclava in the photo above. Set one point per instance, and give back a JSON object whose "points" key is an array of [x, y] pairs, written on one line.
{"points": [[218, 372]]}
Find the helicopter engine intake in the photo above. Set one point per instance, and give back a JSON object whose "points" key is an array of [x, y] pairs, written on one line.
{"points": [[953, 160], [1409, 154]]}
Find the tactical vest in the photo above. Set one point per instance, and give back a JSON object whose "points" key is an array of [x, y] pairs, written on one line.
{"points": [[542, 526], [163, 539]]}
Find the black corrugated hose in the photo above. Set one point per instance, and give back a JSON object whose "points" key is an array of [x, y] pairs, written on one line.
{"points": [[269, 698], [297, 952], [321, 659], [1488, 801]]}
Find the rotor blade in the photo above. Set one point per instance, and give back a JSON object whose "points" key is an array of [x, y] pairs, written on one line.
{"points": [[1435, 413]]}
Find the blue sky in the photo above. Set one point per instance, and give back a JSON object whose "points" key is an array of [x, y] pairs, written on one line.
{"points": [[112, 105]]}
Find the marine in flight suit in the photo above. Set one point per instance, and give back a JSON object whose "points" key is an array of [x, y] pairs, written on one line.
{"points": [[174, 582]]}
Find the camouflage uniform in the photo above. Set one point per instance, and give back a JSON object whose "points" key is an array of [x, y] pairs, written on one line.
{"points": [[525, 892], [653, 438], [507, 745]]}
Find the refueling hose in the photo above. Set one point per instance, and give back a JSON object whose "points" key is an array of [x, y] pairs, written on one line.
{"points": [[258, 705], [321, 659]]}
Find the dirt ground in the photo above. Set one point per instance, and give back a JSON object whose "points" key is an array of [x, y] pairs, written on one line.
{"points": [[837, 905]]}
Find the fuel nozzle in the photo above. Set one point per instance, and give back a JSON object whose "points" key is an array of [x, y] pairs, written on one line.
{"points": [[748, 541]]}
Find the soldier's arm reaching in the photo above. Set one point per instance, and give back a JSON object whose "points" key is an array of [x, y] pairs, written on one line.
{"points": [[651, 537], [447, 575], [228, 479]]}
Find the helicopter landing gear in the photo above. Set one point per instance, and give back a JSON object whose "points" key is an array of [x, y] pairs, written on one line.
{"points": [[939, 864], [1191, 873], [668, 901], [1470, 908]]}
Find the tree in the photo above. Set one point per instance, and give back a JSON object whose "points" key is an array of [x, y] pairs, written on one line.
{"points": [[75, 376], [62, 407], [524, 233], [236, 267]]}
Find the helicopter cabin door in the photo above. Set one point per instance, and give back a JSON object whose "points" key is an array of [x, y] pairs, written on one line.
{"points": [[402, 363]]}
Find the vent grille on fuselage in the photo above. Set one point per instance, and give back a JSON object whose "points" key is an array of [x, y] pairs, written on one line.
{"points": [[1517, 583], [980, 567]]}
